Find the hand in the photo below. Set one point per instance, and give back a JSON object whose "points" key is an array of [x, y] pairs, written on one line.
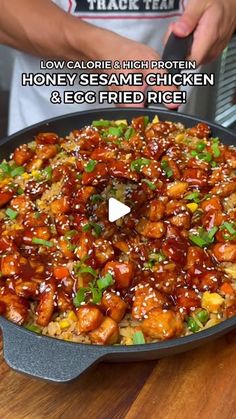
{"points": [[213, 23], [114, 47]]}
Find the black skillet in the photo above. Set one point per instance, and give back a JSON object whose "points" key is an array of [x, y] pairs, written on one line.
{"points": [[61, 361]]}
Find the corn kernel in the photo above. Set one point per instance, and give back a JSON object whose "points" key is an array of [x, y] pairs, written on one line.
{"points": [[121, 121], [179, 137], [35, 173], [212, 301], [72, 316], [230, 269], [192, 206], [25, 175], [155, 120], [64, 324]]}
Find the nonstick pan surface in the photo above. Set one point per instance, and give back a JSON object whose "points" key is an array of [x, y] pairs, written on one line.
{"points": [[60, 361]]}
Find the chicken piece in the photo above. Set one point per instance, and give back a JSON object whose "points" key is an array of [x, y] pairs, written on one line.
{"points": [[47, 138], [123, 272], [182, 220], [22, 204], [162, 324], [10, 264], [106, 334], [89, 318], [121, 169], [175, 248], [174, 207], [156, 210], [225, 252], [46, 304], [212, 218], [84, 245], [230, 157], [121, 245], [34, 164], [35, 190], [83, 195], [5, 196], [198, 260], [22, 155], [36, 219], [60, 205], [195, 177], [152, 170], [26, 289], [97, 175], [65, 248], [200, 130], [176, 190], [103, 251], [173, 166], [62, 223], [224, 189], [145, 299], [7, 245], [187, 299], [211, 204], [16, 308], [43, 233], [103, 154], [114, 305], [46, 152], [153, 230], [63, 301]]}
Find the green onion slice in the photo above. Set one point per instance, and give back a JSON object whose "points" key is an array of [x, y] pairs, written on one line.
{"points": [[138, 338], [96, 198], [88, 270], [166, 168], [194, 196], [11, 213], [203, 238], [129, 133], [90, 166], [33, 328], [80, 297], [17, 171], [105, 282], [42, 242], [93, 226], [115, 131], [150, 184], [101, 123], [138, 164]]}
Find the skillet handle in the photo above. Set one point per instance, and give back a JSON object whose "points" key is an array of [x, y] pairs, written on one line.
{"points": [[46, 358], [177, 49]]}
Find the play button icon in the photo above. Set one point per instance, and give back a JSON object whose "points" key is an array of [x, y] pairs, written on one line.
{"points": [[116, 210]]}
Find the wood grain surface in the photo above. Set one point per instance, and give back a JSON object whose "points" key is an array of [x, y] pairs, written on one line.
{"points": [[197, 384]]}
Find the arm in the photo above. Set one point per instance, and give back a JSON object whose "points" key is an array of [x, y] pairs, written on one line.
{"points": [[41, 28], [213, 23]]}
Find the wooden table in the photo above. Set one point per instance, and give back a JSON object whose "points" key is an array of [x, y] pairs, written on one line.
{"points": [[200, 384]]}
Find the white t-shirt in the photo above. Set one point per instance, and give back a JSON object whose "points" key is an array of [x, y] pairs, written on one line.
{"points": [[144, 21]]}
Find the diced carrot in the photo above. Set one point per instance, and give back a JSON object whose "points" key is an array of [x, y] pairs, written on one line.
{"points": [[227, 288], [60, 272]]}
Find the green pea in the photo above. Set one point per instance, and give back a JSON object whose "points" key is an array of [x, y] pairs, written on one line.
{"points": [[202, 316], [201, 146], [192, 325]]}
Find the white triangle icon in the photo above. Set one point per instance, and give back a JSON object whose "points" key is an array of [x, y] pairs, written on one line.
{"points": [[116, 209]]}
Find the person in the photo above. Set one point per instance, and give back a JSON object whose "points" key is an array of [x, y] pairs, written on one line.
{"points": [[102, 30]]}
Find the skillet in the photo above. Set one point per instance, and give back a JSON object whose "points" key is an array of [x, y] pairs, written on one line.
{"points": [[61, 361]]}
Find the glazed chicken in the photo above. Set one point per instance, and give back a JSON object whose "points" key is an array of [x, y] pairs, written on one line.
{"points": [[167, 269]]}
